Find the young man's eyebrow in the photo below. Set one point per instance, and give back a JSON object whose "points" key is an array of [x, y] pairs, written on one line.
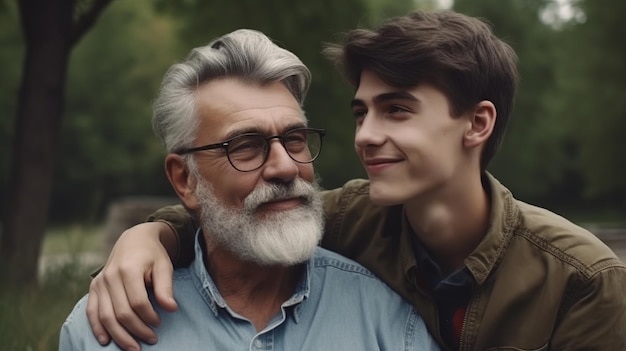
{"points": [[356, 102], [394, 95]]}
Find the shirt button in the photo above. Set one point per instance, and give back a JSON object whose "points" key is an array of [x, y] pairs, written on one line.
{"points": [[258, 344]]}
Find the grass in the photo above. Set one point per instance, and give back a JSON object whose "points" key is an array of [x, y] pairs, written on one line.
{"points": [[73, 238], [30, 319]]}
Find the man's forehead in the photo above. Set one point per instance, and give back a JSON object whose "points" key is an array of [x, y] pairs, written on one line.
{"points": [[231, 94], [230, 104]]}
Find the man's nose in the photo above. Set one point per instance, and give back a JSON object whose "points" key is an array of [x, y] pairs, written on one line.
{"points": [[370, 132], [279, 165]]}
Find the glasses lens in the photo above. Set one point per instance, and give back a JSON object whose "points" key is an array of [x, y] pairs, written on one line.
{"points": [[247, 152], [303, 145]]}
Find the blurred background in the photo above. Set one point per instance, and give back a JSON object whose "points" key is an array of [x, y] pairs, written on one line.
{"points": [[77, 79]]}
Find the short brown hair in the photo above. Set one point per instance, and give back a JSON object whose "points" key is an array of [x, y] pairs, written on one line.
{"points": [[458, 54]]}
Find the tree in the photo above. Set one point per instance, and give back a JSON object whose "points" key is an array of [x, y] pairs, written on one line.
{"points": [[50, 28], [10, 56]]}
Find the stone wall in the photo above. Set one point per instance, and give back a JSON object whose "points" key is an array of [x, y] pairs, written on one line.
{"points": [[127, 212]]}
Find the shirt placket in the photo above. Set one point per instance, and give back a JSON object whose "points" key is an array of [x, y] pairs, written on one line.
{"points": [[263, 341]]}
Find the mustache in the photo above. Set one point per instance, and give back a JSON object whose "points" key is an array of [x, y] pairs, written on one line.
{"points": [[298, 188]]}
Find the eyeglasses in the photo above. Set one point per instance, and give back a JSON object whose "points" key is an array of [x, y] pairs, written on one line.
{"points": [[248, 152]]}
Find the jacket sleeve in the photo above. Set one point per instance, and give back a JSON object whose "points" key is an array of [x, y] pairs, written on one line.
{"points": [[184, 226], [596, 318], [332, 215], [337, 203]]}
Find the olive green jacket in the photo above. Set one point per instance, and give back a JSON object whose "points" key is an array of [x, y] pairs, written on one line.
{"points": [[542, 283]]}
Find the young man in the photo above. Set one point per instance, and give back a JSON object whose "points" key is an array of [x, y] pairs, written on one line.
{"points": [[433, 94], [240, 156]]}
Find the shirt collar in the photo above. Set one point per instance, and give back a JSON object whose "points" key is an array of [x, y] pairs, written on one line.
{"points": [[433, 273], [209, 292]]}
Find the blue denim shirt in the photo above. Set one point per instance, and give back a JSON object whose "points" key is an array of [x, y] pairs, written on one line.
{"points": [[338, 305]]}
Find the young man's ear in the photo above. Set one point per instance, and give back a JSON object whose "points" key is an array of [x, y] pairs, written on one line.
{"points": [[182, 181], [481, 124]]}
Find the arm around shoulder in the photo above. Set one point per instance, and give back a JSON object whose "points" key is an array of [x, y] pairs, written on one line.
{"points": [[180, 241]]}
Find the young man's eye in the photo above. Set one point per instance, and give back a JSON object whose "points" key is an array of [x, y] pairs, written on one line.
{"points": [[359, 113], [397, 108]]}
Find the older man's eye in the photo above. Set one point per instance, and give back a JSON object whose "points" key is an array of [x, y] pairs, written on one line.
{"points": [[246, 144]]}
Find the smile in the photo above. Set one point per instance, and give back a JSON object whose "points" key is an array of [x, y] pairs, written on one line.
{"points": [[376, 165]]}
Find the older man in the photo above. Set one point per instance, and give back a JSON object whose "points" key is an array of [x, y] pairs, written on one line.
{"points": [[240, 156]]}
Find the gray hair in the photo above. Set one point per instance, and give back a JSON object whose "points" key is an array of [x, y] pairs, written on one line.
{"points": [[246, 54]]}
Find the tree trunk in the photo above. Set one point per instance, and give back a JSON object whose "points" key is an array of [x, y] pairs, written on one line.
{"points": [[51, 28], [40, 107]]}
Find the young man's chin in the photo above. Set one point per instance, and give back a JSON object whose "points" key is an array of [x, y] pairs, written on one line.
{"points": [[384, 195]]}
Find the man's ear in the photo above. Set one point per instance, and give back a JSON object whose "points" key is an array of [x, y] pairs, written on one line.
{"points": [[182, 181], [481, 124]]}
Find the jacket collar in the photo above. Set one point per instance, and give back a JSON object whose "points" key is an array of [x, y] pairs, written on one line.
{"points": [[503, 219]]}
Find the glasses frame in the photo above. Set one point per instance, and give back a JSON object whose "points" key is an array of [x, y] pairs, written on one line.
{"points": [[281, 137]]}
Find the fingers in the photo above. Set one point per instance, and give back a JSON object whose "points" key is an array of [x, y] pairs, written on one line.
{"points": [[162, 284], [118, 306], [106, 315], [94, 317], [127, 296]]}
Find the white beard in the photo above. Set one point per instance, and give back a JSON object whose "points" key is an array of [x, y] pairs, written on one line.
{"points": [[285, 238]]}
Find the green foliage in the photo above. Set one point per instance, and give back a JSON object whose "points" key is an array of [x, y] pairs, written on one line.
{"points": [[592, 78], [380, 10], [66, 239], [31, 319], [564, 146], [107, 144], [528, 161]]}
